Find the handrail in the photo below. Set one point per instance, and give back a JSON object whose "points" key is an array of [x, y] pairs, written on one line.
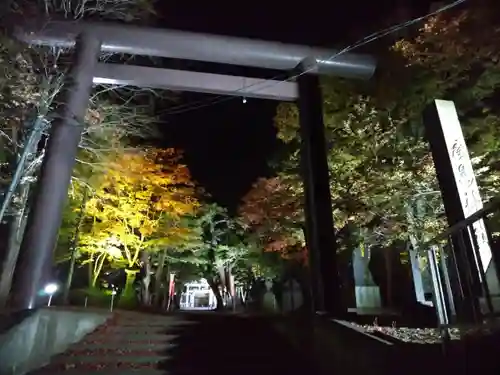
{"points": [[480, 214]]}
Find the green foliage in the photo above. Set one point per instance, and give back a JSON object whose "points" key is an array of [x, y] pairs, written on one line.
{"points": [[223, 243], [383, 182], [220, 243]]}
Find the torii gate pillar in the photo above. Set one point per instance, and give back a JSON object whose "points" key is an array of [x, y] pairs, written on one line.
{"points": [[34, 266], [320, 239]]}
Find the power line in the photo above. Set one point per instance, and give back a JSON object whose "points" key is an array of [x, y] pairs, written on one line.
{"points": [[362, 42]]}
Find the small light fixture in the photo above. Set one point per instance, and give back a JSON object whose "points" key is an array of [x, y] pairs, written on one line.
{"points": [[50, 289], [243, 88], [112, 304]]}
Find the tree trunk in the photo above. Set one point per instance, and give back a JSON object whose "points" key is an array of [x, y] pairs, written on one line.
{"points": [[69, 278], [97, 264], [146, 280], [90, 270], [166, 289], [129, 283], [216, 291], [231, 288], [18, 224], [74, 247], [16, 233], [159, 282], [248, 285], [388, 267], [291, 291], [221, 271], [303, 278]]}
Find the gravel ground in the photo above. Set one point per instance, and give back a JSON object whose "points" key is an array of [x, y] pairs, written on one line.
{"points": [[431, 335], [413, 335]]}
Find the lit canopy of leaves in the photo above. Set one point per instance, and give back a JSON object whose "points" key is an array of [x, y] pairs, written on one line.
{"points": [[380, 165], [272, 211], [138, 205], [222, 242]]}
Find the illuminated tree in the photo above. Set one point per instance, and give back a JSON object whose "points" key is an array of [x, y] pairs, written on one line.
{"points": [[382, 177], [218, 248], [457, 54], [273, 211], [136, 209]]}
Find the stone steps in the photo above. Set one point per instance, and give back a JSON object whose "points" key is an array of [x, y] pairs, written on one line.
{"points": [[115, 372], [107, 359], [130, 344], [130, 337], [117, 345], [209, 343], [135, 329]]}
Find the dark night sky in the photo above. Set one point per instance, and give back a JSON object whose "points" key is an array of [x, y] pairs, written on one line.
{"points": [[227, 145]]}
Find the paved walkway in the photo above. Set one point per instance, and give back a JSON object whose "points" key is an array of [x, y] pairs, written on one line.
{"points": [[190, 343]]}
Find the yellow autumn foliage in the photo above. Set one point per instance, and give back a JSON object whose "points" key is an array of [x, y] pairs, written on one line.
{"points": [[138, 205]]}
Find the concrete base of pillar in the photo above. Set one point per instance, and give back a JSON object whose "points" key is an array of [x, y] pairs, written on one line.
{"points": [[368, 297], [35, 337]]}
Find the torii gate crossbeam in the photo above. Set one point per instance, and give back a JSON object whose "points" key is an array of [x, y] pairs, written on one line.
{"points": [[180, 80], [119, 38], [90, 39]]}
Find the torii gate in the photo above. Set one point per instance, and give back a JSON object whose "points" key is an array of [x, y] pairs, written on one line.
{"points": [[90, 39]]}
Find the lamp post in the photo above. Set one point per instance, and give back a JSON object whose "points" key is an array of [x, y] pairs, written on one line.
{"points": [[113, 294], [50, 289]]}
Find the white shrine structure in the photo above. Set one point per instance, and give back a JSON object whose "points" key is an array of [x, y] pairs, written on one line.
{"points": [[197, 295]]}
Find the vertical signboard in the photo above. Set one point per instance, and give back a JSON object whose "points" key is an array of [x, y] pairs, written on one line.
{"points": [[473, 257], [468, 190], [463, 172]]}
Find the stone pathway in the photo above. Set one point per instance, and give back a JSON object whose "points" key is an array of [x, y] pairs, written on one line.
{"points": [[183, 344]]}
